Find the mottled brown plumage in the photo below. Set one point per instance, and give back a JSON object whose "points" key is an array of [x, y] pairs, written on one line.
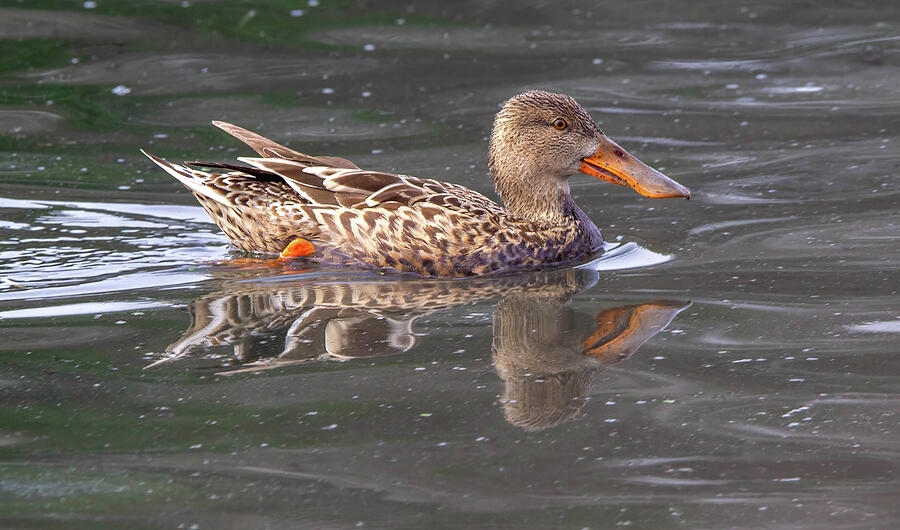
{"points": [[408, 224]]}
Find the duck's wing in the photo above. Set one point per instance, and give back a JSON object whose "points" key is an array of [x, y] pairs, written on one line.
{"points": [[361, 188], [377, 218], [331, 180]]}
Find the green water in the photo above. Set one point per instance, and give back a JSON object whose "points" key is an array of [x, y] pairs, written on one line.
{"points": [[730, 362]]}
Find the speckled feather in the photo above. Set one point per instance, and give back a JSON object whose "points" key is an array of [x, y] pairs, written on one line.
{"points": [[386, 220]]}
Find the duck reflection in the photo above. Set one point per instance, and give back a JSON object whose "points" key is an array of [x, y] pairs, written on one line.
{"points": [[547, 354], [545, 351]]}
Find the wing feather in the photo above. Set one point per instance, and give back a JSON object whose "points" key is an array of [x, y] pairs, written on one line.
{"points": [[287, 169], [350, 200], [269, 149], [362, 181]]}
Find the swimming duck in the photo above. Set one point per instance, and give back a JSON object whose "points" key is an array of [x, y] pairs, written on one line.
{"points": [[329, 210]]}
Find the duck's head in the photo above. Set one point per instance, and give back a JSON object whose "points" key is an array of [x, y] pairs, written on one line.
{"points": [[540, 138]]}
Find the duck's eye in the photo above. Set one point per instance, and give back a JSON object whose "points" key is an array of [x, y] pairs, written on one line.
{"points": [[560, 123]]}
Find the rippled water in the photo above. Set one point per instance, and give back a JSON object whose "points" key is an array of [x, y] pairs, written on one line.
{"points": [[730, 362]]}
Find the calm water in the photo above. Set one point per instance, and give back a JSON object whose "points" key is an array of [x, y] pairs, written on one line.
{"points": [[731, 362]]}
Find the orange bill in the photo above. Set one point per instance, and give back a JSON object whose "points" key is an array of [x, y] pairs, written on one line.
{"points": [[614, 164], [622, 330]]}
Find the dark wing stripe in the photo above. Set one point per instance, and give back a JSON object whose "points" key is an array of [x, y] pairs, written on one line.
{"points": [[260, 174], [309, 186]]}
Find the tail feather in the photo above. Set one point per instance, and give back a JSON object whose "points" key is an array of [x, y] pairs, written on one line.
{"points": [[195, 180]]}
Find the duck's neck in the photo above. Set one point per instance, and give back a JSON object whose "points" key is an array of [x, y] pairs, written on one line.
{"points": [[535, 197]]}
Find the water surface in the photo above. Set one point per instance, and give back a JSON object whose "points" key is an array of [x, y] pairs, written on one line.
{"points": [[730, 362]]}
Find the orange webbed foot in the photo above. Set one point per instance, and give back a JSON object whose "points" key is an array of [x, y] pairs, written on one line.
{"points": [[298, 248]]}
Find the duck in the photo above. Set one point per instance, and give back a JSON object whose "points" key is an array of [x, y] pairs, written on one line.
{"points": [[327, 209]]}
